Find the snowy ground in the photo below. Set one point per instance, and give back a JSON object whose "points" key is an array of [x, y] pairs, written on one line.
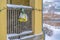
{"points": [[56, 33], [48, 0], [58, 13]]}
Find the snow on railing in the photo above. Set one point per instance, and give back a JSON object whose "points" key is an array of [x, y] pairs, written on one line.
{"points": [[17, 6]]}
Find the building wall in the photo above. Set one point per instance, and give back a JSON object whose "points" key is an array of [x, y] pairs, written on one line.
{"points": [[3, 20], [20, 2], [37, 16]]}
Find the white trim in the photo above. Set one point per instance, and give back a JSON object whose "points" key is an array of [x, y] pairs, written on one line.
{"points": [[17, 6], [23, 33], [31, 36]]}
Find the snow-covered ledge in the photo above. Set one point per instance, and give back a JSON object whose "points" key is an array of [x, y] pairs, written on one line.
{"points": [[23, 33], [18, 6], [32, 36]]}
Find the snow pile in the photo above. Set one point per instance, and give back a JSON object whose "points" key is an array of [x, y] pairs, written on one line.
{"points": [[56, 33]]}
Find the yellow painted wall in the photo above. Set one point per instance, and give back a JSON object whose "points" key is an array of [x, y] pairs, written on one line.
{"points": [[20, 2], [3, 20], [36, 16]]}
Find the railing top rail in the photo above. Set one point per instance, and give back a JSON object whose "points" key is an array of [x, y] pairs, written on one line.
{"points": [[18, 6]]}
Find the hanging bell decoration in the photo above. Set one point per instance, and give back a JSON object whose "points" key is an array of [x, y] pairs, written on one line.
{"points": [[23, 16]]}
